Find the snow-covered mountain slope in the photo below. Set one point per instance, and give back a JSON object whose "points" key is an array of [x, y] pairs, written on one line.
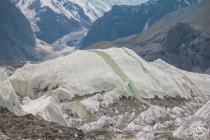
{"points": [[96, 8], [92, 8], [52, 19]]}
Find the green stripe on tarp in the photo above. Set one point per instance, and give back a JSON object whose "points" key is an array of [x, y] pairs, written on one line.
{"points": [[126, 81]]}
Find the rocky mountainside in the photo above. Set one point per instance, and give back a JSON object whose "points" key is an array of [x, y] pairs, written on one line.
{"points": [[182, 42], [122, 21], [52, 19], [117, 96], [181, 39], [17, 41]]}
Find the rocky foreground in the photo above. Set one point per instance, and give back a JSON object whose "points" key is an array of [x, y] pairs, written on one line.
{"points": [[108, 94], [29, 127]]}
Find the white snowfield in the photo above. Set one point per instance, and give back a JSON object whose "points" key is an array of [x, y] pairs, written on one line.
{"points": [[117, 72]]}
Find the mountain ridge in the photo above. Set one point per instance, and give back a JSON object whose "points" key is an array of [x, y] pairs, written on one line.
{"points": [[123, 21], [66, 15]]}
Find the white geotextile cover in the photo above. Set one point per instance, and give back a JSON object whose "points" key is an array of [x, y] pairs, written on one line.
{"points": [[8, 98], [46, 108], [117, 71]]}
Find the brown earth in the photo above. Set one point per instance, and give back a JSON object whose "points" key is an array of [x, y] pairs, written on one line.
{"points": [[29, 127]]}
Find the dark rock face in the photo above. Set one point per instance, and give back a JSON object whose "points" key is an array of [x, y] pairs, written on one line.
{"points": [[122, 21], [186, 48], [17, 40], [181, 46], [29, 127]]}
